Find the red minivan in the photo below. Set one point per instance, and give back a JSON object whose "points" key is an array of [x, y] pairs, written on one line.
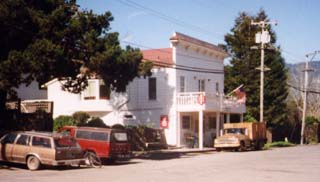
{"points": [[106, 143]]}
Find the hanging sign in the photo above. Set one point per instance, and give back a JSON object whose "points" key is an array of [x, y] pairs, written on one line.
{"points": [[164, 121], [201, 99]]}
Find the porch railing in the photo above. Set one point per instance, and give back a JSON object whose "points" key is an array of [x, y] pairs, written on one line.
{"points": [[202, 98], [190, 98]]}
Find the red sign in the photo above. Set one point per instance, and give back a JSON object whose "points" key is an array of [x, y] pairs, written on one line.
{"points": [[201, 99], [164, 121]]}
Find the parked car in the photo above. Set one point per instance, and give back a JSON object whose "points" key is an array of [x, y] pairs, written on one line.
{"points": [[105, 143], [40, 148]]}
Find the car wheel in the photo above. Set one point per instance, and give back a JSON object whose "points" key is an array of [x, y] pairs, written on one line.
{"points": [[260, 145], [242, 147], [92, 160], [33, 163]]}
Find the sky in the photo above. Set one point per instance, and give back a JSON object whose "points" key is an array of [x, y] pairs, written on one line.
{"points": [[148, 24]]}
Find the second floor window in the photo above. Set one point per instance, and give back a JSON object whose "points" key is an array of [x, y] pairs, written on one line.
{"points": [[103, 90], [201, 85], [152, 88], [217, 87], [96, 90], [90, 92], [182, 84]]}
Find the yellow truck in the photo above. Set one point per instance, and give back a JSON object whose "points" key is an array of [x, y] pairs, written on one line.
{"points": [[241, 136]]}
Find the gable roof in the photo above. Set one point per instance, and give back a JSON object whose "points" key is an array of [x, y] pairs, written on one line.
{"points": [[158, 56]]}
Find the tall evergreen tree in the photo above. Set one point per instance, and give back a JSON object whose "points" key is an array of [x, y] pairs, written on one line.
{"points": [[242, 70], [45, 39]]}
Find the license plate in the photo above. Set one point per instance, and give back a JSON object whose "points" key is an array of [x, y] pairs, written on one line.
{"points": [[122, 156]]}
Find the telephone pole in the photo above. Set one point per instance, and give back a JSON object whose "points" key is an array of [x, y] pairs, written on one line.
{"points": [[263, 38], [305, 90]]}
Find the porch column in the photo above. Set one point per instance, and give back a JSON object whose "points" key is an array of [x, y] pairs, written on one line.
{"points": [[228, 117], [178, 125], [218, 124], [241, 117], [200, 129]]}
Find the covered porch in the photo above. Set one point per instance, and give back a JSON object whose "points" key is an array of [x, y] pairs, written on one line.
{"points": [[200, 117]]}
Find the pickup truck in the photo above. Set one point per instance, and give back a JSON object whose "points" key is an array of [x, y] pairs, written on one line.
{"points": [[242, 136]]}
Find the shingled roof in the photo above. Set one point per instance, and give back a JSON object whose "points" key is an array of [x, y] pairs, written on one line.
{"points": [[158, 56]]}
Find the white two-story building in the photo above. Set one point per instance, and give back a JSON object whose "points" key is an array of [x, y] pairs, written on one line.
{"points": [[184, 95]]}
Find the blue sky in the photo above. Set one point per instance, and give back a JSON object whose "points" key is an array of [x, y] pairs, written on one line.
{"points": [[298, 29]]}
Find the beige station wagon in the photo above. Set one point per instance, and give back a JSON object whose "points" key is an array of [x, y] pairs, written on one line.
{"points": [[40, 148]]}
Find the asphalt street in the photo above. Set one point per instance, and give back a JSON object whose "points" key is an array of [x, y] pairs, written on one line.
{"points": [[300, 163]]}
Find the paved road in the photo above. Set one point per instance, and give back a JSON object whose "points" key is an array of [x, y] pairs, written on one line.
{"points": [[283, 164]]}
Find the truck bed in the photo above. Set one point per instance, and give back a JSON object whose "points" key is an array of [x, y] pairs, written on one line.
{"points": [[255, 130]]}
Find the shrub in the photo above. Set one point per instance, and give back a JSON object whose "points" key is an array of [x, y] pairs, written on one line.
{"points": [[97, 122], [61, 121], [277, 144], [249, 118], [80, 118]]}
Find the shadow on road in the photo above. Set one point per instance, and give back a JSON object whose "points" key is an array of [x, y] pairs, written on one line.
{"points": [[15, 166], [11, 166], [165, 155]]}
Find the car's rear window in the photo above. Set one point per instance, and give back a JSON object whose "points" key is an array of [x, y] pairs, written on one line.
{"points": [[65, 142], [120, 136], [92, 135]]}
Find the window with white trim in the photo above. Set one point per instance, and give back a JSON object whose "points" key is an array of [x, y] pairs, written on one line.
{"points": [[217, 87], [182, 84], [90, 92], [103, 90], [96, 89], [201, 85], [152, 88]]}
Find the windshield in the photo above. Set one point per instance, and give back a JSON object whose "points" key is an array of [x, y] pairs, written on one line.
{"points": [[235, 130], [120, 136], [65, 142]]}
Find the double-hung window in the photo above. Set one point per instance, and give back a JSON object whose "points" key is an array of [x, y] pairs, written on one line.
{"points": [[90, 92], [182, 84], [201, 85], [152, 88]]}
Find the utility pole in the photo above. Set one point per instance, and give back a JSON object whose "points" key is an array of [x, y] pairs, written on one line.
{"points": [[305, 90], [263, 38]]}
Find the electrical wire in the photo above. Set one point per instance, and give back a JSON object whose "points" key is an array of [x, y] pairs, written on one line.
{"points": [[183, 23], [168, 18], [184, 68], [310, 90]]}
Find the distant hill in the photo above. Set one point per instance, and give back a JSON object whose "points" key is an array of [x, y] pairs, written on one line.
{"points": [[296, 72], [296, 85]]}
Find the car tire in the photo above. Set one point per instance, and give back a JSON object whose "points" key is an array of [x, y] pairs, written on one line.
{"points": [[260, 145], [33, 163], [92, 160], [242, 147]]}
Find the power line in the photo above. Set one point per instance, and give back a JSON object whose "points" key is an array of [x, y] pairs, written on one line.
{"points": [[168, 18], [183, 23], [310, 90], [185, 68]]}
